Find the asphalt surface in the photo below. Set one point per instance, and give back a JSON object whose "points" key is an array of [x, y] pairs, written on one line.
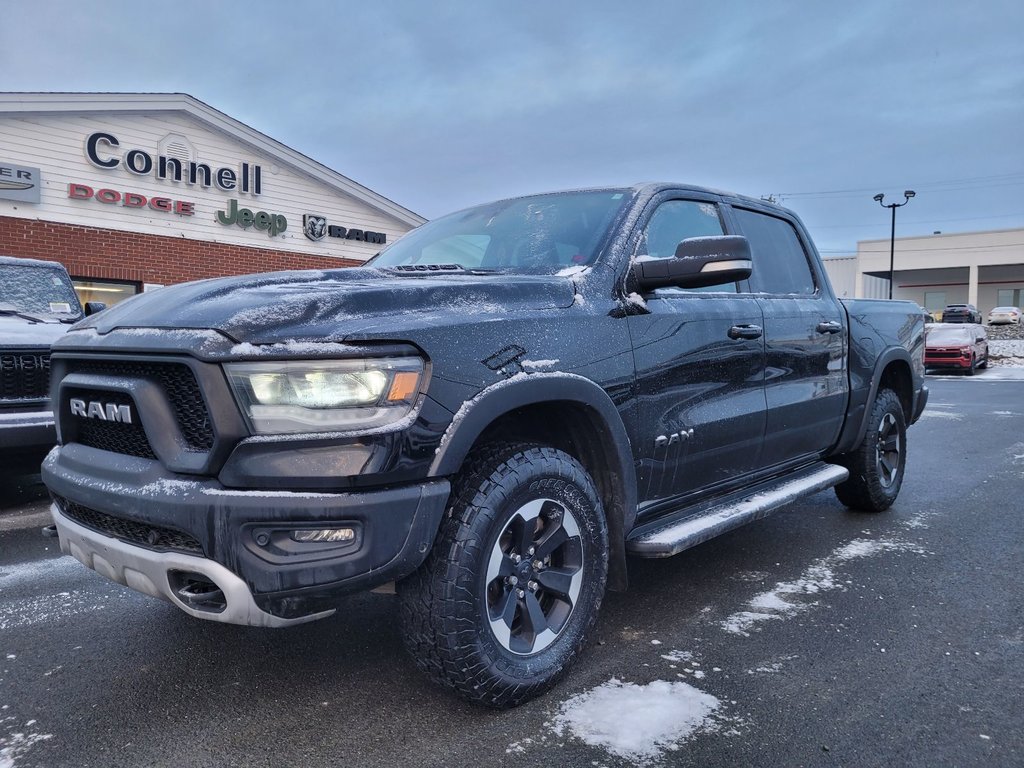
{"points": [[906, 645]]}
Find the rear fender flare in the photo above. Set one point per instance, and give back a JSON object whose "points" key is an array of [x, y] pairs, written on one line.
{"points": [[891, 355]]}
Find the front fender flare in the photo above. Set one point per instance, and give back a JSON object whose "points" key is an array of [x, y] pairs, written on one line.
{"points": [[526, 389]]}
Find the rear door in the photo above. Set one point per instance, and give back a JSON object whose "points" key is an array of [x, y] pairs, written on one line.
{"points": [[701, 395], [804, 335]]}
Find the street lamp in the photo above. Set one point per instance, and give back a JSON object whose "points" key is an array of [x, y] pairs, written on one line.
{"points": [[892, 237]]}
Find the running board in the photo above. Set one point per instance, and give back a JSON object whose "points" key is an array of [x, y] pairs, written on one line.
{"points": [[666, 538]]}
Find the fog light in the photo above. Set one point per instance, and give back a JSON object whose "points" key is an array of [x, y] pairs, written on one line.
{"points": [[325, 534]]}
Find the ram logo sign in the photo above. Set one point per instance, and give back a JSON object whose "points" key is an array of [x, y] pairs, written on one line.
{"points": [[102, 411]]}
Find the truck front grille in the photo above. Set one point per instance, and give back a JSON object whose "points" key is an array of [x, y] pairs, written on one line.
{"points": [[24, 375], [144, 535], [114, 436], [180, 386]]}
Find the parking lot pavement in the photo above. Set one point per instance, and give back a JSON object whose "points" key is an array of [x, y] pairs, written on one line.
{"points": [[815, 637]]}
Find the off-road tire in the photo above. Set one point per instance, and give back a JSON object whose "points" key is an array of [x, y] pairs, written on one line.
{"points": [[445, 604], [871, 487]]}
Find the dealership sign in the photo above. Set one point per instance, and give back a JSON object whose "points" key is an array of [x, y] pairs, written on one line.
{"points": [[131, 199], [316, 227], [104, 151], [271, 223], [18, 182]]}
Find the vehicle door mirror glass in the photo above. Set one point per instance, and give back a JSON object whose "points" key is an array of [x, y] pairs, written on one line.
{"points": [[698, 262]]}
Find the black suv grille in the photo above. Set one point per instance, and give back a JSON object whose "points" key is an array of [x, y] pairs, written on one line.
{"points": [[24, 375], [177, 381], [149, 536]]}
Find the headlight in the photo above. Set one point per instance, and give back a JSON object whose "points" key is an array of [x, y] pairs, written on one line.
{"points": [[284, 397]]}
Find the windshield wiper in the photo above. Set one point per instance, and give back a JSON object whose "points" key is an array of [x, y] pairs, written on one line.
{"points": [[7, 309]]}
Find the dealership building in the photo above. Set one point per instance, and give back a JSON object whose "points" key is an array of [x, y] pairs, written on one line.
{"points": [[985, 269], [135, 191]]}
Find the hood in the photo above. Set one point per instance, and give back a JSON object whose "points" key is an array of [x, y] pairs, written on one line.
{"points": [[330, 306], [16, 331]]}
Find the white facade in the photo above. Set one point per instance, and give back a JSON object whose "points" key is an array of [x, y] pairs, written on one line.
{"points": [[52, 132], [981, 268]]}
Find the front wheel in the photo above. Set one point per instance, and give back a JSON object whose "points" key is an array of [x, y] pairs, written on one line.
{"points": [[877, 465], [974, 366], [510, 591]]}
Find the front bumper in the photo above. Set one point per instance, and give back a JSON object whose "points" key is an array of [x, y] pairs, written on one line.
{"points": [[148, 520], [31, 431], [947, 362]]}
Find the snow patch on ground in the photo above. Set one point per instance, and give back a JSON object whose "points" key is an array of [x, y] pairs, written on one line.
{"points": [[638, 723], [678, 656], [15, 743], [786, 598], [1006, 348], [941, 415], [37, 610]]}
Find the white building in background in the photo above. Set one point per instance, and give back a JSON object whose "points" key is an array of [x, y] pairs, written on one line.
{"points": [[981, 268]]}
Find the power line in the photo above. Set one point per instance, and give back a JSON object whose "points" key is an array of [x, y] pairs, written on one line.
{"points": [[951, 248], [920, 221], [947, 185]]}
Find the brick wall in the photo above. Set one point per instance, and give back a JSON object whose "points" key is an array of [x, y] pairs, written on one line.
{"points": [[90, 252]]}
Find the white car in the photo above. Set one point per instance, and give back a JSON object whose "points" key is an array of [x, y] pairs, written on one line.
{"points": [[1001, 315]]}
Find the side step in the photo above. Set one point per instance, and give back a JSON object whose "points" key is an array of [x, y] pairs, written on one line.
{"points": [[663, 538]]}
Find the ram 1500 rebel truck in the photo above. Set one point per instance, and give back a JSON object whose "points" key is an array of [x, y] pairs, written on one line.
{"points": [[492, 413], [37, 304]]}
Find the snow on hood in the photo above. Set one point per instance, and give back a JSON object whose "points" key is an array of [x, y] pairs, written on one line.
{"points": [[278, 306]]}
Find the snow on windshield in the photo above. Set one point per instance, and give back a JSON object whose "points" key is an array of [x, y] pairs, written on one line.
{"points": [[947, 335], [37, 290]]}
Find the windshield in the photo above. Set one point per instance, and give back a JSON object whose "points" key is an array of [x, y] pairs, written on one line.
{"points": [[37, 291], [531, 235], [950, 336]]}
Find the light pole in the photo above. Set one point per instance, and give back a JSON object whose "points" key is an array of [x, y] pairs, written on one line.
{"points": [[892, 237]]}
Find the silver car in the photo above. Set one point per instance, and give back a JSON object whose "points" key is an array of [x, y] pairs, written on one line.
{"points": [[1002, 315]]}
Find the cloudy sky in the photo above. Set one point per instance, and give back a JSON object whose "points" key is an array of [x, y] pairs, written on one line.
{"points": [[438, 105]]}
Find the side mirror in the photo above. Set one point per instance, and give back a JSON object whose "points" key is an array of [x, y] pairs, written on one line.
{"points": [[699, 262], [92, 307]]}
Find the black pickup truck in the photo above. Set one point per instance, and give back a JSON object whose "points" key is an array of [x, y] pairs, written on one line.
{"points": [[492, 414]]}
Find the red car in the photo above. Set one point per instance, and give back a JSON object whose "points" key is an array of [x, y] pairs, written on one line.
{"points": [[956, 345]]}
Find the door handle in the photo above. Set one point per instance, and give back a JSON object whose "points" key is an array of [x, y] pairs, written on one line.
{"points": [[745, 332], [829, 326]]}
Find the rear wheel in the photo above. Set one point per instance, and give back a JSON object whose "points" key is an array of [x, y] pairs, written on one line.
{"points": [[877, 466], [508, 595]]}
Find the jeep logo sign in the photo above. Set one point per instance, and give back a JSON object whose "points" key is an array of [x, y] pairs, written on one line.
{"points": [[102, 411]]}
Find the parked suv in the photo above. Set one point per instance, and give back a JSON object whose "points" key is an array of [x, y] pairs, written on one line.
{"points": [[37, 304], [961, 313], [491, 413]]}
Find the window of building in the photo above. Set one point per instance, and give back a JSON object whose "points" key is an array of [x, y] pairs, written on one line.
{"points": [[108, 292], [780, 261], [935, 301], [1009, 297]]}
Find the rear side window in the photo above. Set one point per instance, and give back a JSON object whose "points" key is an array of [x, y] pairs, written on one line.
{"points": [[780, 261]]}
